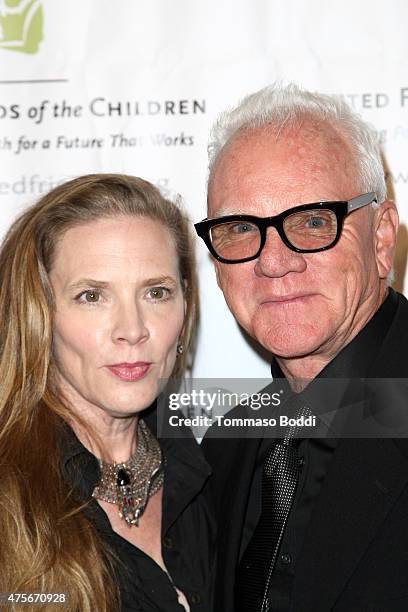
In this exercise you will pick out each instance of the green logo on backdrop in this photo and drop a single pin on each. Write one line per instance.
(21, 25)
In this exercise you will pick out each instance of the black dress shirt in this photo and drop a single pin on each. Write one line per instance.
(187, 527)
(315, 453)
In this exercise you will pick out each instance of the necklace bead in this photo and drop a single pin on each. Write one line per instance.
(123, 479)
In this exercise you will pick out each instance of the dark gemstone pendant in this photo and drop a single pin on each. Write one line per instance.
(123, 478)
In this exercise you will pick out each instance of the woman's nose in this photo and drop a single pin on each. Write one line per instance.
(130, 325)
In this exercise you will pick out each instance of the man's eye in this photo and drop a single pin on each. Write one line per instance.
(242, 228)
(315, 222)
(159, 293)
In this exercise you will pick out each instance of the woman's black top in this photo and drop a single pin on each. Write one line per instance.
(188, 532)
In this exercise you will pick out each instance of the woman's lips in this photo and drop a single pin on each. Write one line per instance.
(130, 371)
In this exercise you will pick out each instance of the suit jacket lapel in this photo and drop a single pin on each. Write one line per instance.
(364, 480)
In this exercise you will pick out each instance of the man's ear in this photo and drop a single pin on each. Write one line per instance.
(218, 273)
(386, 227)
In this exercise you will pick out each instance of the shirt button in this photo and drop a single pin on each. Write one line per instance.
(196, 598)
(167, 542)
(301, 461)
(286, 558)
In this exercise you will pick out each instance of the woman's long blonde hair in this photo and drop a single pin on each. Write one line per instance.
(47, 543)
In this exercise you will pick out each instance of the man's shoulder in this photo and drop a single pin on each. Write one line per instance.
(392, 359)
(401, 303)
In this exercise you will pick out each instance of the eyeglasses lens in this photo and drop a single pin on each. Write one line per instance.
(311, 229)
(236, 239)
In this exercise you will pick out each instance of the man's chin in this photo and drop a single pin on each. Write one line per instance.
(289, 346)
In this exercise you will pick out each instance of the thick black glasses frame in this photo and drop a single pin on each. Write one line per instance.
(341, 210)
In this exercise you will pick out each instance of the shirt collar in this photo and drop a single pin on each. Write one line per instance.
(186, 470)
(79, 467)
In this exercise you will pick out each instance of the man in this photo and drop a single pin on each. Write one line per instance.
(315, 524)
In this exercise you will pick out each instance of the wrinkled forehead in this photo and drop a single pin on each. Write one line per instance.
(294, 164)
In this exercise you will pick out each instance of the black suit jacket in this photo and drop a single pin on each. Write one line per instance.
(354, 556)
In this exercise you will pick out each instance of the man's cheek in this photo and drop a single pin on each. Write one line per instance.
(228, 285)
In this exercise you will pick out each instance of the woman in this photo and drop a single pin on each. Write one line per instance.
(98, 300)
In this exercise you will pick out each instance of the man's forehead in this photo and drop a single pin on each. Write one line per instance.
(304, 165)
(307, 144)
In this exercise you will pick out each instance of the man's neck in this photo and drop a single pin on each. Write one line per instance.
(299, 372)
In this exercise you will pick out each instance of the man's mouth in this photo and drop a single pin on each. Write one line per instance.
(287, 299)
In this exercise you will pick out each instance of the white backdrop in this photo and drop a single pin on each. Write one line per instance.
(132, 86)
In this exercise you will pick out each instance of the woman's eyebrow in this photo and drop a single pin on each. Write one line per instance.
(98, 284)
(157, 280)
(88, 282)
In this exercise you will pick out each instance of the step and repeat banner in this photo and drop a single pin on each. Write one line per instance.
(134, 86)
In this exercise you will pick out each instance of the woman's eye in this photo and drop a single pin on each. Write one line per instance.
(159, 293)
(90, 296)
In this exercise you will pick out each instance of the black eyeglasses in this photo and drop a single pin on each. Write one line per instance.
(307, 228)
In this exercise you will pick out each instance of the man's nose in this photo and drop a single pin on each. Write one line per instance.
(130, 324)
(276, 259)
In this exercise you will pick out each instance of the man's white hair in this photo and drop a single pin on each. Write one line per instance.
(286, 106)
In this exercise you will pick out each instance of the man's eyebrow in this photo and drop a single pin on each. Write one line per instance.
(226, 211)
